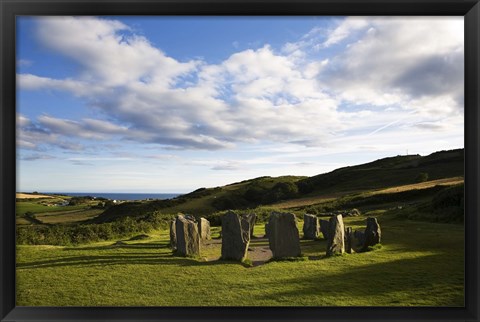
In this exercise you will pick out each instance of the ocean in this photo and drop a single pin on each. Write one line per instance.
(119, 195)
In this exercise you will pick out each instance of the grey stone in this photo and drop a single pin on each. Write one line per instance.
(283, 236)
(311, 226)
(235, 236)
(373, 233)
(204, 229)
(336, 233)
(251, 218)
(266, 230)
(360, 237)
(173, 236)
(348, 240)
(324, 227)
(188, 238)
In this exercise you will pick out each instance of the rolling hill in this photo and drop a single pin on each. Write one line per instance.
(386, 173)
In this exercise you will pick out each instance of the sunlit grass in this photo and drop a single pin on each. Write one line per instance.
(419, 264)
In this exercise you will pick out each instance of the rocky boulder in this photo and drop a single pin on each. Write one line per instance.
(283, 236)
(336, 233)
(311, 226)
(235, 236)
(187, 236)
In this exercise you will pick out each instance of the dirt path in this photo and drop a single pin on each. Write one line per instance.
(258, 252)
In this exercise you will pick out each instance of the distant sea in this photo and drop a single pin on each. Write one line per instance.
(120, 196)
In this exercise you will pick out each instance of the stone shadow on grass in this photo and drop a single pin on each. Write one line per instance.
(377, 279)
(121, 244)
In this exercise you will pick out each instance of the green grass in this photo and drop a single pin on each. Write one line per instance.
(36, 207)
(68, 216)
(419, 264)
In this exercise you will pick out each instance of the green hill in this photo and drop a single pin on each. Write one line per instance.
(387, 172)
(379, 174)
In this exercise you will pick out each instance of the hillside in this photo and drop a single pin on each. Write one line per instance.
(380, 174)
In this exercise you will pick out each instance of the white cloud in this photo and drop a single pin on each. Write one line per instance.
(401, 61)
(395, 66)
(109, 53)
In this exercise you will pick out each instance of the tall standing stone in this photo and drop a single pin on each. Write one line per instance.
(204, 229)
(283, 236)
(311, 226)
(336, 234)
(348, 239)
(324, 228)
(251, 218)
(360, 237)
(373, 233)
(235, 236)
(173, 236)
(188, 238)
(267, 229)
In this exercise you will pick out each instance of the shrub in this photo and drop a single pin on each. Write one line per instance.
(422, 177)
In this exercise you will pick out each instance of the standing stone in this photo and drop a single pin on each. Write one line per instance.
(336, 233)
(283, 236)
(188, 238)
(266, 230)
(360, 236)
(372, 233)
(311, 226)
(204, 229)
(251, 218)
(173, 236)
(348, 239)
(324, 227)
(235, 236)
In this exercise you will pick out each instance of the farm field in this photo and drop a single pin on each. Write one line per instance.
(419, 264)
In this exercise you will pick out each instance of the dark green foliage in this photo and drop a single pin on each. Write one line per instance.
(422, 177)
(79, 234)
(386, 172)
(231, 201)
(446, 206)
(74, 201)
(372, 201)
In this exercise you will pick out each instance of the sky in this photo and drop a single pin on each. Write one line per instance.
(172, 104)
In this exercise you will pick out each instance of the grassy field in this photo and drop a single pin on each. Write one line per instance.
(419, 264)
(68, 216)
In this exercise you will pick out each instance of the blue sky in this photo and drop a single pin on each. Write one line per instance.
(171, 104)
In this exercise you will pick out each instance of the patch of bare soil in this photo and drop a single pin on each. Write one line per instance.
(259, 255)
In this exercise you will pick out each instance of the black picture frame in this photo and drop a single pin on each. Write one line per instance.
(9, 9)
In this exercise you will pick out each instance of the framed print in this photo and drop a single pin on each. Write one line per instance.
(238, 160)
